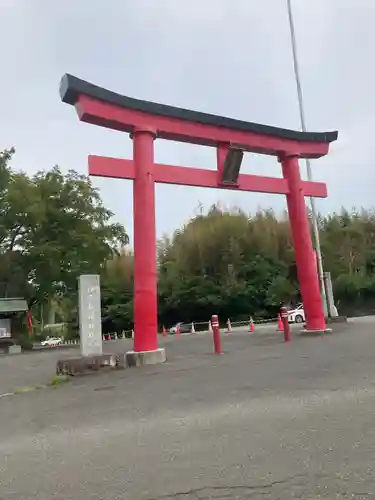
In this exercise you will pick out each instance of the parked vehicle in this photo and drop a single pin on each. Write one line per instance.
(297, 315)
(50, 341)
(184, 328)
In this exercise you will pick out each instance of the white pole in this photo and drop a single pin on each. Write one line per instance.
(314, 221)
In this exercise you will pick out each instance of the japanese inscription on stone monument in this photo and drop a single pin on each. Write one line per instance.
(90, 321)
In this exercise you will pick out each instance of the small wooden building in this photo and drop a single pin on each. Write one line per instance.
(12, 318)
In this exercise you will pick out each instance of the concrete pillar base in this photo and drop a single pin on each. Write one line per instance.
(315, 333)
(146, 358)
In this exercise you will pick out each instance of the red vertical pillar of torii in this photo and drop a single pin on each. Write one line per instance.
(305, 256)
(145, 278)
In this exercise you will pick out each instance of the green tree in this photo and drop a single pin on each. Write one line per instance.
(234, 264)
(72, 234)
(117, 293)
(225, 262)
(53, 227)
(16, 220)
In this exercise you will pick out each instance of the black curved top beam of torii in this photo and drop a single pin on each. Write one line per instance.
(81, 93)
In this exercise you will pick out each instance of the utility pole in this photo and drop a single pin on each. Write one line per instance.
(314, 221)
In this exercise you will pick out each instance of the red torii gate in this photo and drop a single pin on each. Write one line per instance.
(146, 121)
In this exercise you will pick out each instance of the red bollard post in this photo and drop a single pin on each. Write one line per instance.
(284, 318)
(216, 334)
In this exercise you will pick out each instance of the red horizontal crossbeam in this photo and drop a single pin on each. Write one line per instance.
(105, 114)
(117, 168)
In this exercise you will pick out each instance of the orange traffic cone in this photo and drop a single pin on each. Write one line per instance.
(251, 325)
(280, 325)
(229, 326)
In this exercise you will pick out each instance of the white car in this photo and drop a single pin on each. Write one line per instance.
(297, 315)
(183, 328)
(50, 341)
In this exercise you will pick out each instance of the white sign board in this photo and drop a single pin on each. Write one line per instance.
(90, 320)
(5, 328)
(4, 333)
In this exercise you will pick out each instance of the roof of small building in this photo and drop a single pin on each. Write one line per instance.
(10, 305)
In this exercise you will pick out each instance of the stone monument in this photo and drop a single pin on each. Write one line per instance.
(90, 321)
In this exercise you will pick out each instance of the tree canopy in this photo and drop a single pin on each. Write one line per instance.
(236, 265)
(53, 227)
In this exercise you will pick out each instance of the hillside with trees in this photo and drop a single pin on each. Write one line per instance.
(54, 227)
(236, 265)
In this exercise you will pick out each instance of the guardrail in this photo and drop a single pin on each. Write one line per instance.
(197, 327)
(205, 326)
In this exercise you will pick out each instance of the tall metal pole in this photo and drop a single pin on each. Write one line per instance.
(314, 221)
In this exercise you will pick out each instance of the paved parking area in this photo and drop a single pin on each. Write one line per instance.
(37, 368)
(266, 420)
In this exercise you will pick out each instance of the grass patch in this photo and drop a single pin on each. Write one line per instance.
(55, 382)
(27, 388)
(59, 379)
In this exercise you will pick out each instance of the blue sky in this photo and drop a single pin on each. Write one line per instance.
(228, 57)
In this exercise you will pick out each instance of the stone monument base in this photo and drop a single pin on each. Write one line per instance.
(86, 364)
(14, 349)
(8, 346)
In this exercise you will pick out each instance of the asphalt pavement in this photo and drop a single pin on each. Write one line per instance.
(266, 420)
